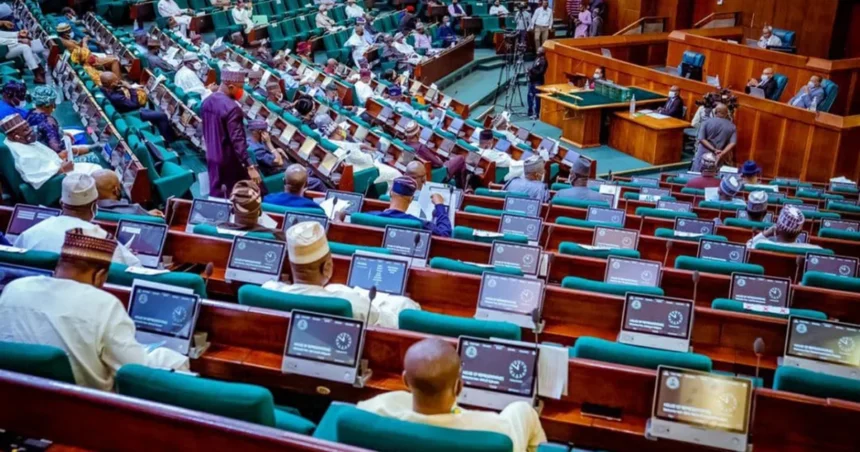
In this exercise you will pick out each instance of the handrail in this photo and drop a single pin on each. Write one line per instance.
(640, 24)
(735, 15)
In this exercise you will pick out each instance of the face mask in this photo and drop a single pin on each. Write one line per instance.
(672, 94)
(811, 85)
(597, 76)
(197, 66)
(238, 92)
(764, 77)
(71, 35)
(22, 104)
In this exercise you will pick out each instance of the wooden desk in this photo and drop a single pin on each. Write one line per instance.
(656, 141)
(432, 69)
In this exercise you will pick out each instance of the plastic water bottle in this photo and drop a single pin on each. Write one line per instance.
(814, 105)
(632, 104)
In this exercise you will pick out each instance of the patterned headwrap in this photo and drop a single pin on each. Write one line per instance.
(81, 245)
(790, 220)
(247, 201)
(44, 96)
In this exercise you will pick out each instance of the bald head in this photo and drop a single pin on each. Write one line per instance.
(416, 171)
(721, 111)
(431, 369)
(108, 185)
(295, 179)
(108, 79)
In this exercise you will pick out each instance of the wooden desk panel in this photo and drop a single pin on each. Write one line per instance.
(430, 71)
(656, 141)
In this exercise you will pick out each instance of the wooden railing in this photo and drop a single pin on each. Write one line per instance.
(643, 26)
(720, 20)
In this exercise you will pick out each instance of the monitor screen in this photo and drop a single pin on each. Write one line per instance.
(527, 226)
(426, 134)
(834, 265)
(498, 366)
(842, 225)
(510, 293)
(805, 207)
(257, 255)
(703, 399)
(645, 181)
(803, 237)
(386, 274)
(209, 212)
(763, 290)
(446, 146)
(325, 338)
(548, 145)
(528, 206)
(821, 340)
(162, 311)
(604, 215)
(355, 200)
(385, 114)
(456, 125)
(615, 238)
(661, 316)
(722, 251)
(516, 255)
(676, 206)
(9, 273)
(744, 215)
(503, 145)
(594, 183)
(634, 272)
(523, 134)
(843, 185)
(142, 238)
(25, 216)
(693, 226)
(293, 218)
(651, 191)
(407, 242)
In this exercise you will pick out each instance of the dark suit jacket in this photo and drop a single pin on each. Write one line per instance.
(769, 88)
(673, 107)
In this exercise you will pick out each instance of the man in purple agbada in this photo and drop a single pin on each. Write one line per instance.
(224, 131)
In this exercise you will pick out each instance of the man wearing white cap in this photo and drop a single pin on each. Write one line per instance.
(757, 205)
(35, 162)
(784, 233)
(311, 268)
(78, 202)
(531, 181)
(73, 313)
(186, 77)
(169, 8)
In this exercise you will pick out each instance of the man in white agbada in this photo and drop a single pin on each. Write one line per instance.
(768, 39)
(78, 203)
(186, 77)
(359, 155)
(358, 44)
(20, 45)
(487, 150)
(242, 15)
(326, 23)
(362, 86)
(352, 10)
(311, 268)
(400, 44)
(169, 8)
(431, 372)
(71, 312)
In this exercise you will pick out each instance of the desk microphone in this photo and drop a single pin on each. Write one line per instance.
(371, 294)
(798, 264)
(668, 248)
(695, 284)
(207, 274)
(758, 349)
(169, 211)
(225, 195)
(642, 223)
(417, 242)
(536, 331)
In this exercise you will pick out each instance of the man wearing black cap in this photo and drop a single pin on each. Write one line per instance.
(402, 191)
(487, 151)
(579, 180)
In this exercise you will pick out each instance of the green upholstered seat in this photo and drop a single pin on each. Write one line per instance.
(569, 202)
(802, 193)
(577, 223)
(789, 183)
(843, 207)
(464, 233)
(814, 384)
(828, 281)
(634, 196)
(118, 275)
(667, 233)
(693, 191)
(241, 401)
(347, 424)
(725, 304)
(631, 355)
(663, 213)
(366, 219)
(258, 297)
(274, 208)
(482, 191)
(747, 224)
(116, 217)
(444, 263)
(553, 447)
(721, 205)
(491, 212)
(819, 215)
(38, 360)
(347, 249)
(841, 234)
(678, 180)
(575, 249)
(556, 186)
(588, 285)
(713, 266)
(364, 179)
(453, 326)
(45, 260)
(212, 231)
(779, 248)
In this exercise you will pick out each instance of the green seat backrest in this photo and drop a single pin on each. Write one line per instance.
(819, 215)
(444, 263)
(814, 384)
(805, 193)
(453, 326)
(747, 224)
(482, 191)
(831, 233)
(575, 249)
(212, 231)
(366, 219)
(258, 297)
(721, 205)
(829, 281)
(346, 249)
(779, 248)
(667, 233)
(116, 217)
(464, 233)
(570, 202)
(362, 179)
(725, 304)
(45, 260)
(274, 208)
(842, 206)
(632, 195)
(693, 191)
(492, 212)
(118, 275)
(38, 360)
(556, 186)
(588, 285)
(631, 355)
(577, 223)
(663, 213)
(713, 266)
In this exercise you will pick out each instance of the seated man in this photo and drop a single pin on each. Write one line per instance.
(750, 172)
(35, 162)
(431, 372)
(402, 191)
(73, 313)
(325, 22)
(126, 99)
(363, 88)
(455, 164)
(446, 32)
(810, 96)
(170, 9)
(768, 39)
(358, 43)
(111, 199)
(202, 47)
(242, 15)
(14, 99)
(247, 202)
(457, 12)
(330, 66)
(498, 9)
(423, 41)
(486, 145)
(270, 159)
(187, 79)
(709, 174)
(153, 59)
(766, 83)
(579, 175)
(78, 203)
(788, 227)
(353, 11)
(531, 181)
(407, 51)
(295, 184)
(311, 269)
(729, 188)
(674, 105)
(408, 20)
(20, 45)
(757, 205)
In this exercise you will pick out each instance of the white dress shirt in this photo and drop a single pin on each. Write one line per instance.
(89, 324)
(364, 92)
(188, 80)
(542, 17)
(49, 235)
(498, 10)
(35, 162)
(169, 8)
(773, 41)
(760, 238)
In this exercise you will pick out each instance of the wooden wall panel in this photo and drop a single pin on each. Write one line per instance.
(847, 163)
(821, 160)
(852, 45)
(767, 129)
(794, 142)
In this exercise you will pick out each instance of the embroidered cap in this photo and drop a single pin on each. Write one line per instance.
(84, 245)
(757, 201)
(730, 186)
(11, 122)
(306, 243)
(790, 220)
(79, 189)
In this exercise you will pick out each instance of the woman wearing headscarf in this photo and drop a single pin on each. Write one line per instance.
(47, 129)
(85, 58)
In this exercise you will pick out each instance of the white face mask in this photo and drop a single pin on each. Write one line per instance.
(597, 76)
(811, 85)
(672, 94)
(764, 77)
(197, 66)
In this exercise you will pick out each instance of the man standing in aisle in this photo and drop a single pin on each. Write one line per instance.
(718, 135)
(537, 75)
(224, 132)
(541, 23)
